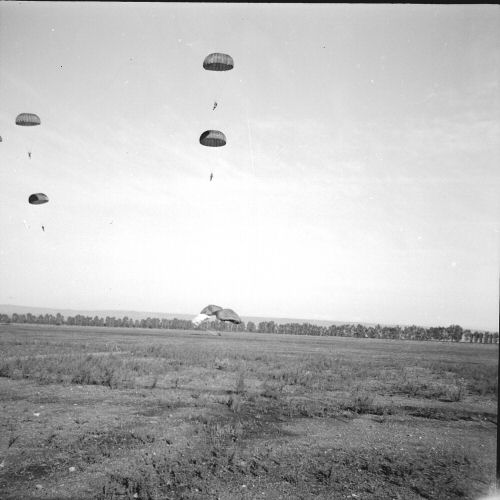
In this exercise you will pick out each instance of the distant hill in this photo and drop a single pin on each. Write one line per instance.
(11, 308)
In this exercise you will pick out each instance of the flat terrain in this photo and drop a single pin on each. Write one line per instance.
(111, 413)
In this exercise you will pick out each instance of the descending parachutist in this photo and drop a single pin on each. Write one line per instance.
(43, 227)
(28, 120)
(211, 176)
(215, 105)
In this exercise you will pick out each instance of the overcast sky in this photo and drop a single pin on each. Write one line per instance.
(359, 182)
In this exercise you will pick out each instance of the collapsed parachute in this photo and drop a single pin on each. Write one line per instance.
(28, 120)
(38, 199)
(218, 62)
(210, 309)
(228, 315)
(213, 138)
(221, 314)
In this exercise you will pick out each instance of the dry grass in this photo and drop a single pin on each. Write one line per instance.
(170, 414)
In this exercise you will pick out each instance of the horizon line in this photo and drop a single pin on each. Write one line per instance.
(270, 317)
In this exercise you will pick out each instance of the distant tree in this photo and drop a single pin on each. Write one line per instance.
(454, 333)
(370, 332)
(359, 331)
(420, 333)
(437, 333)
(391, 332)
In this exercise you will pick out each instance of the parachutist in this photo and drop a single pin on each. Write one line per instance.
(43, 228)
(28, 120)
(215, 105)
(211, 176)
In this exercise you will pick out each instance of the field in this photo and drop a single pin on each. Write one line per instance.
(113, 413)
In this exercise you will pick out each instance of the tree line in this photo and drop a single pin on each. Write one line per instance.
(452, 333)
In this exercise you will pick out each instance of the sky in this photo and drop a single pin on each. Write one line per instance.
(359, 181)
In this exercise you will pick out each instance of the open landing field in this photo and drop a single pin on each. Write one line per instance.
(114, 413)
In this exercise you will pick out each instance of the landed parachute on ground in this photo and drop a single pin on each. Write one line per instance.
(38, 199)
(218, 62)
(28, 120)
(228, 315)
(221, 314)
(213, 138)
(210, 309)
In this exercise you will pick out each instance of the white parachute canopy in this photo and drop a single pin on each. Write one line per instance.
(198, 320)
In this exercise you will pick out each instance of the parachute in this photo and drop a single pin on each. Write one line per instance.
(221, 314)
(199, 319)
(210, 310)
(228, 315)
(218, 62)
(28, 120)
(213, 138)
(38, 199)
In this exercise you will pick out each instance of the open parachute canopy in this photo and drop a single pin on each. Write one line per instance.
(218, 62)
(213, 138)
(38, 199)
(27, 119)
